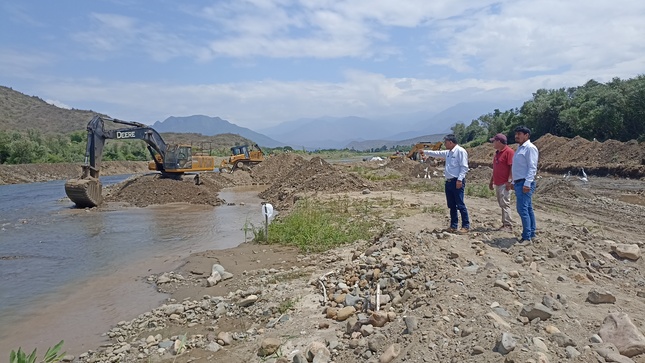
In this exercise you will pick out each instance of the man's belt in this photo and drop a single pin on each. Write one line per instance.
(519, 181)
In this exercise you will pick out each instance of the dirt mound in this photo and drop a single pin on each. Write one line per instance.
(480, 174)
(223, 180)
(561, 154)
(145, 190)
(276, 167)
(559, 188)
(589, 153)
(415, 169)
(315, 175)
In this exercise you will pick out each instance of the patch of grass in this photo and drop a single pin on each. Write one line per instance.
(373, 174)
(315, 226)
(432, 185)
(287, 276)
(479, 190)
(435, 209)
(286, 305)
(259, 233)
(51, 355)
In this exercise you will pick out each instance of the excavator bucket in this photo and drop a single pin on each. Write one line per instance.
(85, 193)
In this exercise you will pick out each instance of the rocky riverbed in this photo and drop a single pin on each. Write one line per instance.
(415, 293)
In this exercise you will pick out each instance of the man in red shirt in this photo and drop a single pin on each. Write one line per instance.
(502, 178)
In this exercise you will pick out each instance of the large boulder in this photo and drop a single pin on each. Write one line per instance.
(619, 330)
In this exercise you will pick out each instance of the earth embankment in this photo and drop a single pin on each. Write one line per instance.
(561, 155)
(32, 173)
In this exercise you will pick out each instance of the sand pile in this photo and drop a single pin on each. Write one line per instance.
(276, 167)
(315, 175)
(145, 190)
(559, 188)
(561, 154)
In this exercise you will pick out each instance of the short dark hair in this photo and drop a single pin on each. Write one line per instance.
(523, 129)
(450, 137)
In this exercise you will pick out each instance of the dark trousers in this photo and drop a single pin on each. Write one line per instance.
(455, 200)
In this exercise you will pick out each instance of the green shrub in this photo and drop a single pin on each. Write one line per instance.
(51, 355)
(315, 226)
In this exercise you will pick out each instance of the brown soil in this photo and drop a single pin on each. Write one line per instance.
(462, 291)
(31, 173)
(561, 155)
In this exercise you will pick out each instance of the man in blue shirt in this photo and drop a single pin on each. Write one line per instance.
(524, 169)
(456, 169)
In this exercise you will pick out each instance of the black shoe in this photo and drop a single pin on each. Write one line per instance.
(524, 242)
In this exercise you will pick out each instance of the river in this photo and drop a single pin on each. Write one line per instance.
(71, 274)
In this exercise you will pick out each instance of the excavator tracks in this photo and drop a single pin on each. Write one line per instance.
(85, 193)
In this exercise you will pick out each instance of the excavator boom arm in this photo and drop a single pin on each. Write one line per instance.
(86, 191)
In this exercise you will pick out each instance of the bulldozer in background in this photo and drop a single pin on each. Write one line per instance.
(242, 157)
(416, 152)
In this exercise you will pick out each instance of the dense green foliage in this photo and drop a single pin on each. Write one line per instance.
(33, 147)
(614, 110)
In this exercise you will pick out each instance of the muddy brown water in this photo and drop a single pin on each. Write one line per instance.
(72, 274)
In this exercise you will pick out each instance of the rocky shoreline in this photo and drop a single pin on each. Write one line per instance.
(415, 293)
(572, 296)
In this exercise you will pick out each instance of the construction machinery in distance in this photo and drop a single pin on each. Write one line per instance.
(172, 160)
(242, 157)
(417, 150)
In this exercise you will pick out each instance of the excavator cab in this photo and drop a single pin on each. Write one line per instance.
(178, 157)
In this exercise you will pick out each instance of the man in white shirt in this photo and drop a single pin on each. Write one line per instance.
(524, 169)
(456, 169)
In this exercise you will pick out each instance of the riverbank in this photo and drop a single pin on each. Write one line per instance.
(443, 297)
(575, 294)
(33, 173)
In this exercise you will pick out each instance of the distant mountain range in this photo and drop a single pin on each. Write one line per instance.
(354, 132)
(21, 112)
(209, 126)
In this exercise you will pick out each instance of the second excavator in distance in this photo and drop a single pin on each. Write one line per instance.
(172, 160)
(417, 150)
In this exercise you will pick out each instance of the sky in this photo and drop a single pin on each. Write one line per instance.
(258, 63)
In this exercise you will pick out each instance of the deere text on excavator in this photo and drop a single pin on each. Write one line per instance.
(171, 160)
(241, 157)
(417, 150)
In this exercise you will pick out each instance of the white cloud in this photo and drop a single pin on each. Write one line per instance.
(58, 104)
(375, 56)
(22, 64)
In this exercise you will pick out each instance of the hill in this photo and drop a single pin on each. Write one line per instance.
(221, 142)
(21, 112)
(212, 126)
(372, 144)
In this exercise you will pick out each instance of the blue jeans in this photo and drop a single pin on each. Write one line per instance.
(525, 210)
(455, 200)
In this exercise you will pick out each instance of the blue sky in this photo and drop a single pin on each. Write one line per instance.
(261, 62)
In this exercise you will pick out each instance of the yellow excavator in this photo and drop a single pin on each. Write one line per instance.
(417, 150)
(242, 157)
(171, 160)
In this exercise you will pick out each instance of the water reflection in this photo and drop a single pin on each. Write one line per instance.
(64, 262)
